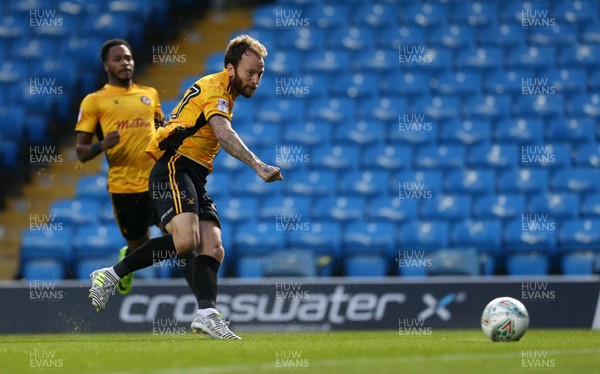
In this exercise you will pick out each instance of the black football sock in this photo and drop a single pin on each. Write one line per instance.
(153, 251)
(205, 281)
(187, 268)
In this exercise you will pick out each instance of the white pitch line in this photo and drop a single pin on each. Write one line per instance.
(358, 361)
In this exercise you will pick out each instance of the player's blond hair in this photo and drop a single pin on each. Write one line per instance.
(240, 45)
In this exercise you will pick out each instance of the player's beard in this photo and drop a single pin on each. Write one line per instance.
(122, 77)
(238, 86)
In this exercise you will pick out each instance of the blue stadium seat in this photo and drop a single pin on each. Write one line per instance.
(455, 36)
(283, 209)
(370, 237)
(303, 39)
(285, 64)
(558, 35)
(505, 82)
(364, 183)
(484, 235)
(438, 107)
(8, 154)
(501, 207)
(75, 211)
(423, 236)
(529, 237)
(590, 33)
(392, 209)
(383, 109)
(587, 56)
(258, 238)
(351, 38)
(239, 209)
(579, 235)
(553, 156)
(540, 106)
(426, 15)
(328, 17)
(466, 132)
(106, 213)
(411, 184)
(93, 241)
(474, 13)
(218, 183)
(42, 270)
(279, 112)
(457, 83)
(497, 156)
(440, 157)
(527, 264)
(446, 207)
(327, 62)
(479, 59)
(357, 86)
(394, 37)
(322, 238)
(306, 133)
(421, 58)
(331, 110)
(518, 130)
(558, 205)
(248, 182)
(487, 107)
(339, 208)
(566, 81)
(187, 82)
(523, 181)
(51, 243)
(590, 206)
(93, 187)
(290, 263)
(584, 106)
(469, 181)
(504, 35)
(581, 180)
(461, 262)
(361, 133)
(335, 157)
(317, 84)
(260, 134)
(571, 130)
(85, 267)
(311, 183)
(387, 158)
(409, 83)
(531, 57)
(366, 266)
(249, 266)
(378, 60)
(577, 12)
(577, 263)
(377, 16)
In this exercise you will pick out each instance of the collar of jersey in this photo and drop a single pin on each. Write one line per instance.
(119, 89)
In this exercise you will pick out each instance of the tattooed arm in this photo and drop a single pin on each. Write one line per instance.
(233, 144)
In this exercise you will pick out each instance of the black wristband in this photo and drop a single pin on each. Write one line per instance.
(96, 148)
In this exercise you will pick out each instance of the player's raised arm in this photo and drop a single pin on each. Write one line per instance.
(233, 144)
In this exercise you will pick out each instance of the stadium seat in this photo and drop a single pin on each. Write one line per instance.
(438, 108)
(558, 205)
(520, 130)
(248, 182)
(575, 56)
(565, 81)
(322, 238)
(395, 37)
(523, 181)
(466, 132)
(331, 110)
(336, 157)
(305, 134)
(275, 114)
(474, 13)
(93, 187)
(239, 209)
(327, 62)
(361, 133)
(364, 237)
(529, 237)
(485, 236)
(501, 206)
(218, 184)
(572, 130)
(506, 35)
(41, 270)
(258, 238)
(505, 82)
(540, 106)
(351, 38)
(226, 163)
(282, 207)
(448, 208)
(285, 64)
(383, 208)
(386, 109)
(54, 242)
(590, 206)
(94, 241)
(577, 263)
(375, 15)
(584, 106)
(423, 236)
(440, 157)
(85, 267)
(561, 34)
(454, 36)
(588, 155)
(461, 262)
(249, 267)
(527, 264)
(469, 181)
(579, 234)
(377, 61)
(580, 180)
(497, 156)
(419, 185)
(328, 17)
(311, 183)
(487, 107)
(261, 134)
(303, 39)
(479, 59)
(290, 263)
(75, 211)
(366, 266)
(531, 57)
(387, 158)
(339, 208)
(363, 183)
(425, 15)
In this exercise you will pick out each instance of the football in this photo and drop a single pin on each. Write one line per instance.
(505, 319)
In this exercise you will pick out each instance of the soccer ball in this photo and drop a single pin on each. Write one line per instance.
(505, 319)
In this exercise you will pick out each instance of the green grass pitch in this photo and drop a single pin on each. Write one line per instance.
(434, 351)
